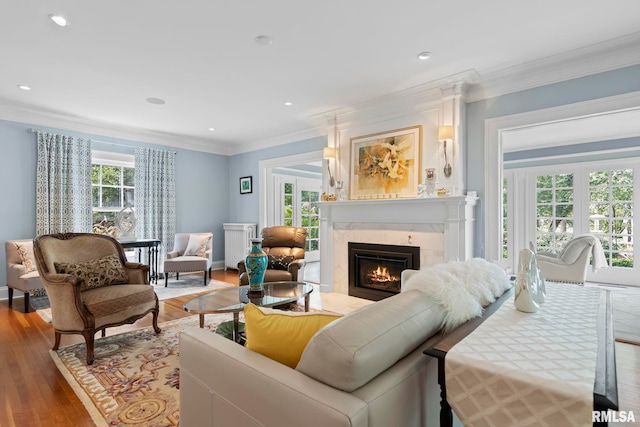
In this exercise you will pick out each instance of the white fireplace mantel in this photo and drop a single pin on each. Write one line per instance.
(451, 215)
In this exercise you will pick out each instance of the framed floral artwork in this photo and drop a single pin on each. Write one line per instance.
(386, 164)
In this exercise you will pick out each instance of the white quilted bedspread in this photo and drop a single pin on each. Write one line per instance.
(529, 369)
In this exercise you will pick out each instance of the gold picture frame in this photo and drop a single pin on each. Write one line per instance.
(386, 165)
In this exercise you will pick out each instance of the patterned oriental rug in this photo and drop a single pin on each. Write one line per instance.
(135, 379)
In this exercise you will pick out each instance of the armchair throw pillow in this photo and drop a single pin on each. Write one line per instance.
(279, 262)
(197, 245)
(281, 335)
(98, 272)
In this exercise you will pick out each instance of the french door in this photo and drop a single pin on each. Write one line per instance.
(550, 205)
(295, 199)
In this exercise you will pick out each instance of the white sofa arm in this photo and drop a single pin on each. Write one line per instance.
(222, 379)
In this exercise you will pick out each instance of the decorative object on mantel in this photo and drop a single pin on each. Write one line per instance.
(256, 264)
(341, 192)
(442, 192)
(446, 133)
(530, 288)
(386, 164)
(328, 197)
(126, 224)
(427, 188)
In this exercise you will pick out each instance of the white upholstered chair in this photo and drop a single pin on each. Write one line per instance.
(191, 252)
(22, 273)
(570, 265)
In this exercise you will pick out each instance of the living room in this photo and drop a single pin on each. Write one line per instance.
(594, 78)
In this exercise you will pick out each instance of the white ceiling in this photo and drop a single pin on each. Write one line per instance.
(200, 56)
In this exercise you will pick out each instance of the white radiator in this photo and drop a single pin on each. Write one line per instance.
(237, 243)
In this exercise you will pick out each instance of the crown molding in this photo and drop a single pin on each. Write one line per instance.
(403, 102)
(597, 58)
(34, 116)
(316, 131)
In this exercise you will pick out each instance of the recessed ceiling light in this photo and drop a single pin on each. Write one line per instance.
(212, 129)
(59, 20)
(423, 56)
(288, 103)
(263, 40)
(156, 101)
(24, 87)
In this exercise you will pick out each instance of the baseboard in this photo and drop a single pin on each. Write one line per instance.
(4, 292)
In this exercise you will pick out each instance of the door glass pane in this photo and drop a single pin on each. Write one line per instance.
(309, 218)
(554, 209)
(611, 214)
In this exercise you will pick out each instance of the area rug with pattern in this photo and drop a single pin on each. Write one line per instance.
(134, 380)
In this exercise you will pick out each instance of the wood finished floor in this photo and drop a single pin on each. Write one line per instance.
(34, 393)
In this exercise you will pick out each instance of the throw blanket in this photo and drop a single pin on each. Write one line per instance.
(463, 288)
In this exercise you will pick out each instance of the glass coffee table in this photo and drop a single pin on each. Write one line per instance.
(233, 300)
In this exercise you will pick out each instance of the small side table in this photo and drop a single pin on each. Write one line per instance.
(152, 251)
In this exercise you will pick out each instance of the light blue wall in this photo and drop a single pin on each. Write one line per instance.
(245, 207)
(591, 87)
(201, 180)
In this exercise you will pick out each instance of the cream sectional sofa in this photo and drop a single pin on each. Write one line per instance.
(364, 369)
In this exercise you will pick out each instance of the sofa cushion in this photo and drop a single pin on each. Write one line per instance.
(26, 255)
(353, 350)
(98, 272)
(197, 245)
(282, 335)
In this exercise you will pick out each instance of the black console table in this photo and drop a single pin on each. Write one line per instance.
(152, 250)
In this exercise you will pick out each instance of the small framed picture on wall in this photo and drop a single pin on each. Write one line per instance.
(246, 186)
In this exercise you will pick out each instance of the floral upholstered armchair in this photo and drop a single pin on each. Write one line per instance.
(91, 286)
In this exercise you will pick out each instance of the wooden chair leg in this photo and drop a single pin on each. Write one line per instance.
(10, 297)
(166, 279)
(26, 302)
(90, 341)
(205, 278)
(104, 332)
(155, 321)
(56, 344)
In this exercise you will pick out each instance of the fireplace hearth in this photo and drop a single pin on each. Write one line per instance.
(375, 269)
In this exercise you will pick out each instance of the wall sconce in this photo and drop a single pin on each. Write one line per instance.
(445, 133)
(329, 153)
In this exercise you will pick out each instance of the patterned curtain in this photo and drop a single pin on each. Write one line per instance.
(155, 198)
(63, 184)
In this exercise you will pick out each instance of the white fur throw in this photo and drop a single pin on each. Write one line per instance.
(463, 288)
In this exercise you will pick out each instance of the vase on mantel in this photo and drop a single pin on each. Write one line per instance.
(256, 264)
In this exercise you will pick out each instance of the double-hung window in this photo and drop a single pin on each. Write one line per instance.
(112, 186)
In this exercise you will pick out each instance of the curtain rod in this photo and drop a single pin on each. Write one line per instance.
(31, 130)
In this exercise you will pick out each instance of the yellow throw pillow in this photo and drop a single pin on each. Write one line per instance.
(282, 335)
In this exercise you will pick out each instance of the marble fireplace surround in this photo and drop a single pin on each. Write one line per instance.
(441, 226)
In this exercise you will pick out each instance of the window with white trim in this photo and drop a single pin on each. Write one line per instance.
(112, 187)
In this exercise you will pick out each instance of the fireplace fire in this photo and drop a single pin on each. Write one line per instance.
(374, 269)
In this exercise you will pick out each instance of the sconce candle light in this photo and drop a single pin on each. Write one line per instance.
(445, 133)
(329, 153)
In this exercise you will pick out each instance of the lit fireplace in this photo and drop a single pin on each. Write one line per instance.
(374, 269)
